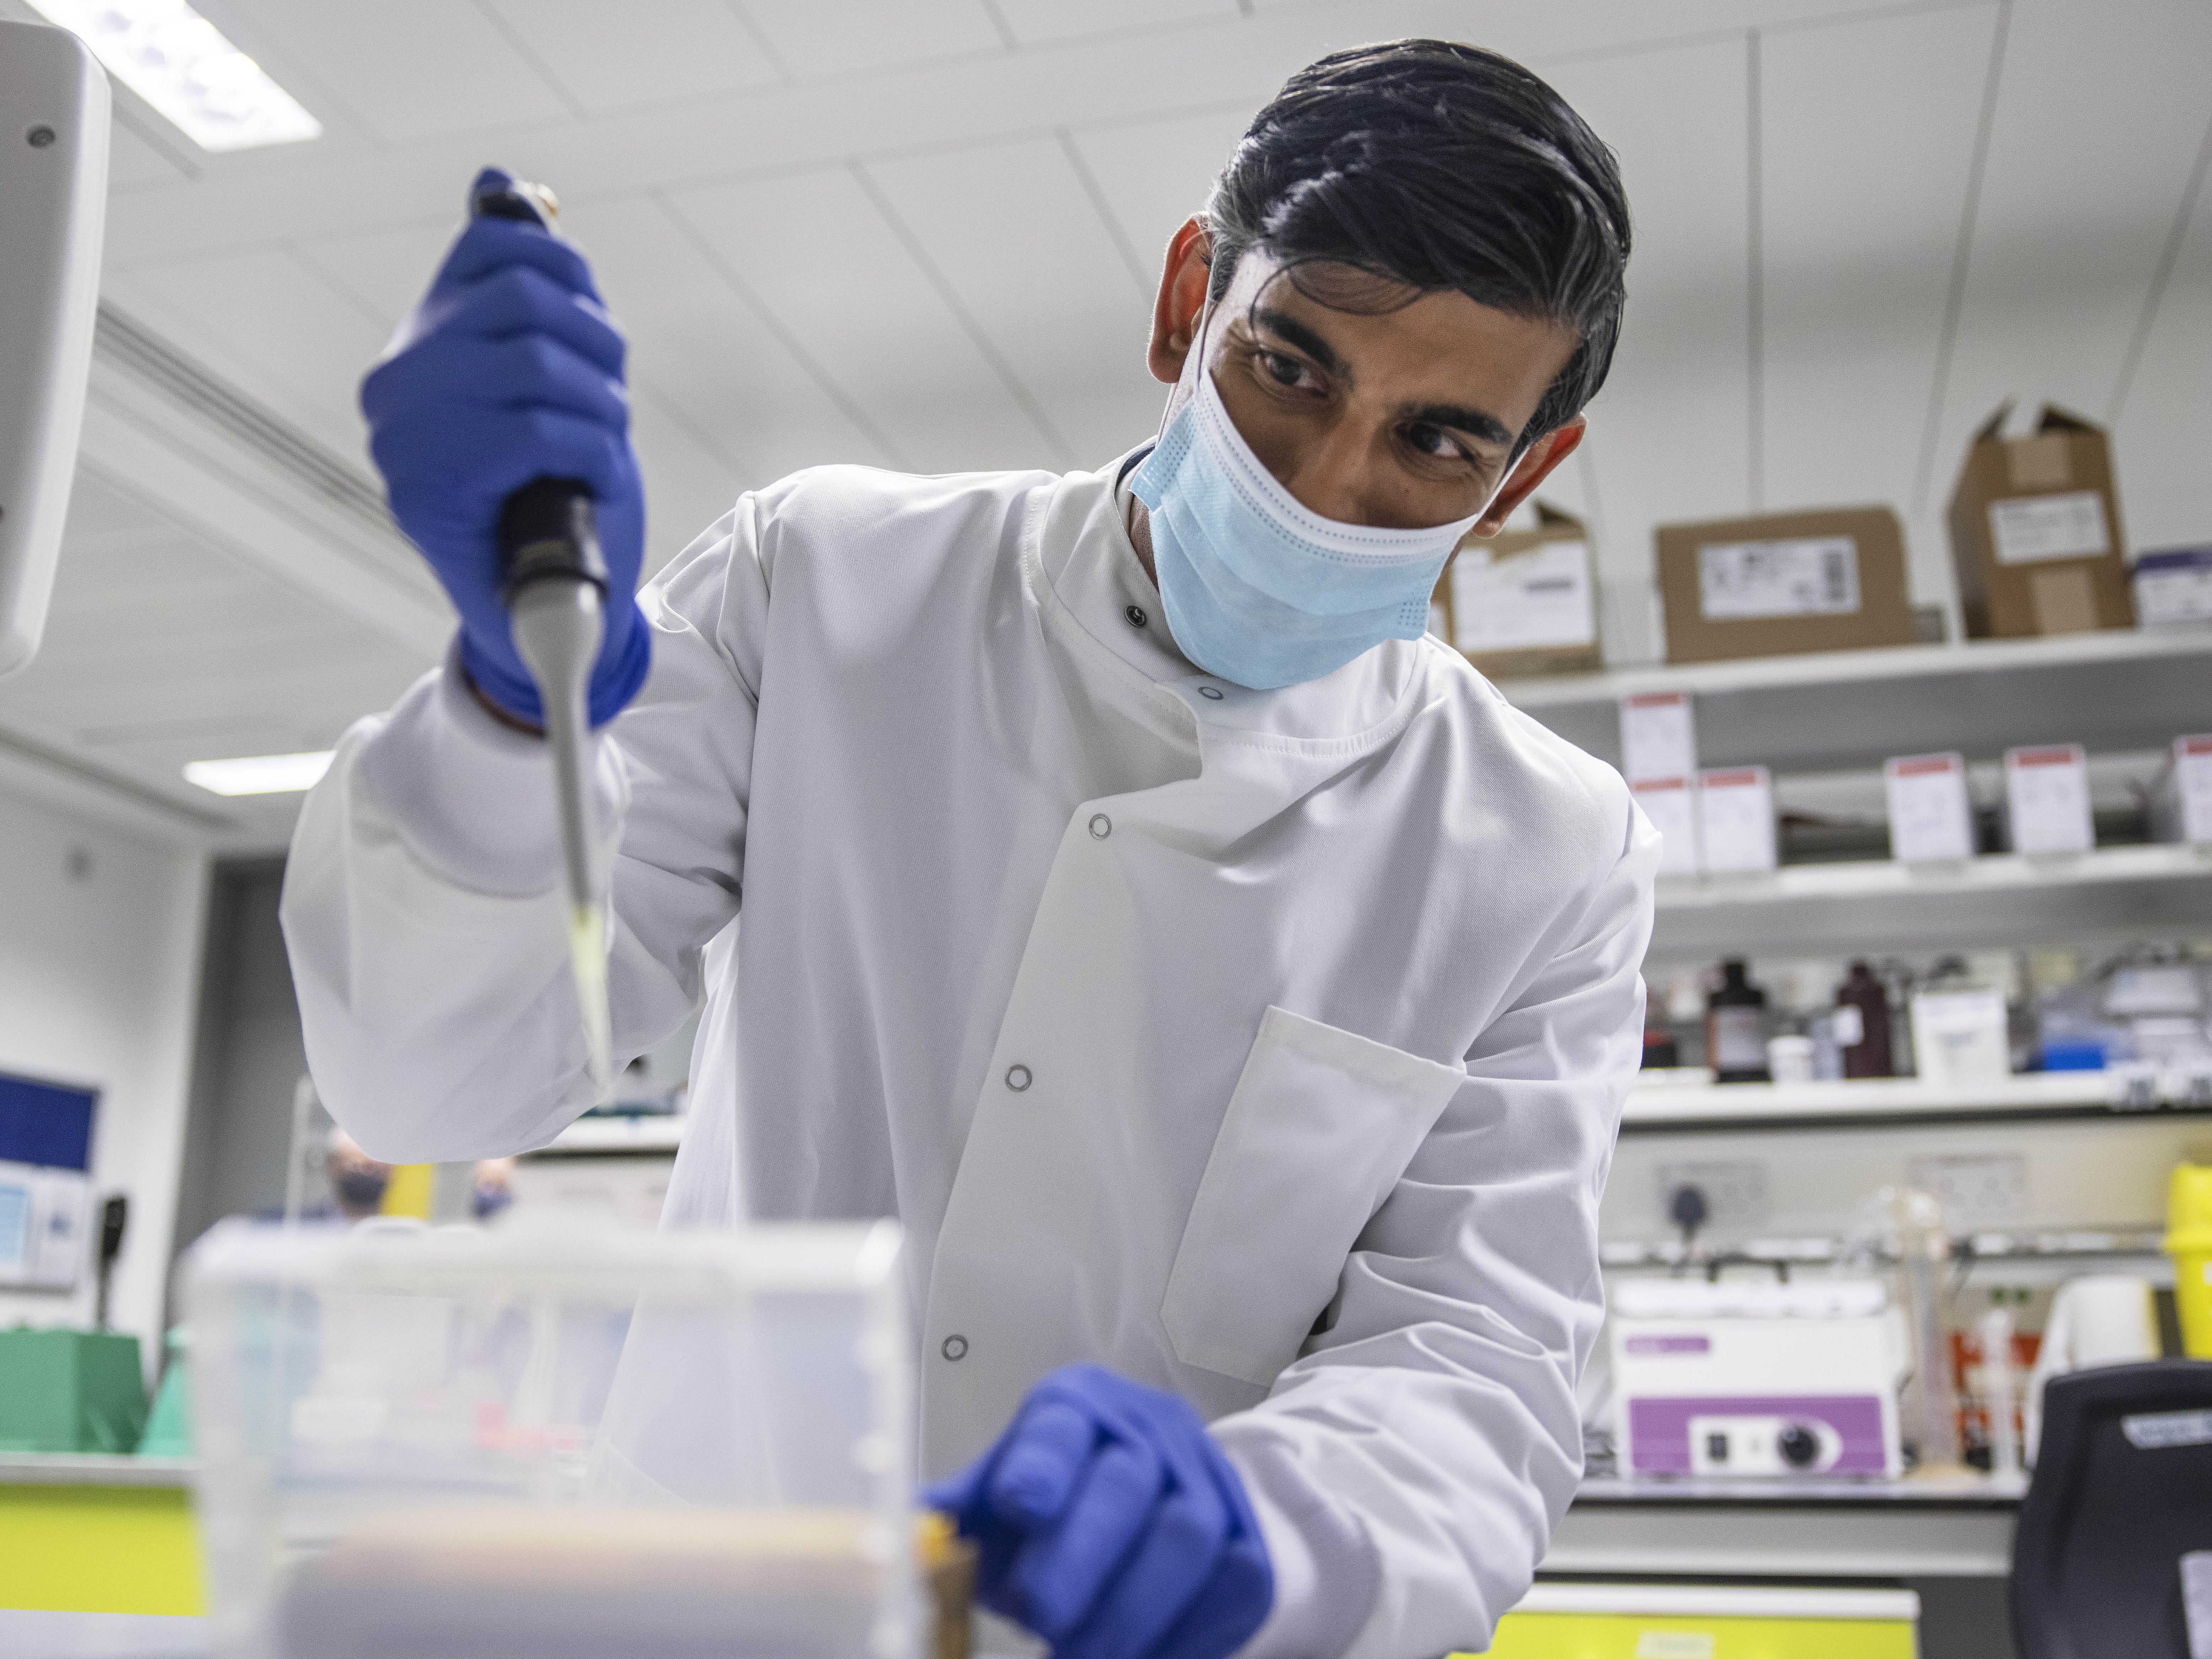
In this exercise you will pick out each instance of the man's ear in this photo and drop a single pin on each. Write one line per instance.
(1535, 466)
(1181, 299)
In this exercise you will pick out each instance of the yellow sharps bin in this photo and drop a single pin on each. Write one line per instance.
(2189, 1242)
(1565, 1620)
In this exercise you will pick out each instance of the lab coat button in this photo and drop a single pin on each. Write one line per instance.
(1017, 1077)
(1136, 615)
(955, 1347)
(1212, 692)
(1101, 826)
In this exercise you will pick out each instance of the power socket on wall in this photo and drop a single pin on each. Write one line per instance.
(1979, 1186)
(1735, 1189)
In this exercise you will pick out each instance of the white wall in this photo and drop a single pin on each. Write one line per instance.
(99, 948)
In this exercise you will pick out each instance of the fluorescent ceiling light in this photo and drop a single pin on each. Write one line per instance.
(181, 64)
(260, 774)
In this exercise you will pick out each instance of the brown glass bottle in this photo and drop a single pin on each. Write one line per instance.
(1735, 1029)
(1862, 992)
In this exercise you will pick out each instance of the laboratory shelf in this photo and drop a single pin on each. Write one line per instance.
(94, 1469)
(1872, 1100)
(1880, 904)
(1850, 710)
(1963, 1489)
(599, 1136)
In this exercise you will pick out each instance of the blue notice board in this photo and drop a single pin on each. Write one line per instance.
(47, 1124)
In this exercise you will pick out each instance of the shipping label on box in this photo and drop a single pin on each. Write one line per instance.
(1812, 576)
(1658, 736)
(1735, 820)
(2036, 537)
(1531, 601)
(2181, 799)
(2047, 800)
(2173, 587)
(1828, 580)
(1670, 804)
(1930, 814)
(1525, 601)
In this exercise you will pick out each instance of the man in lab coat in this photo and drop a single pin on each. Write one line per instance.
(1230, 993)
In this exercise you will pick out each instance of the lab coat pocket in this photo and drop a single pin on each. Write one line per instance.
(1322, 1125)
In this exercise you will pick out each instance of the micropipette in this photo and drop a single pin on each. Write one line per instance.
(554, 578)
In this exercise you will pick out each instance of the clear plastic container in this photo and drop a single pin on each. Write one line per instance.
(554, 1441)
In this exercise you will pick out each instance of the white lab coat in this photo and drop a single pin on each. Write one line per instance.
(1265, 1047)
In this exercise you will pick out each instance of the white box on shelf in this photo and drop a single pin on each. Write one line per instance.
(1735, 820)
(2181, 798)
(1931, 814)
(2047, 800)
(1671, 805)
(1658, 736)
(2173, 587)
(1959, 1039)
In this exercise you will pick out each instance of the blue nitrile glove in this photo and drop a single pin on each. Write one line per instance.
(510, 369)
(1109, 1523)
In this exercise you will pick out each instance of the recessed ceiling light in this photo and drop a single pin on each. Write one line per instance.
(181, 64)
(260, 774)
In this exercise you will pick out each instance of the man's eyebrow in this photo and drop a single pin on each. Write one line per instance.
(1475, 423)
(1305, 339)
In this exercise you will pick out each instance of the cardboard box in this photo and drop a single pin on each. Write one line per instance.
(2035, 532)
(2046, 806)
(2173, 588)
(1831, 580)
(1735, 821)
(2181, 798)
(1525, 602)
(1931, 815)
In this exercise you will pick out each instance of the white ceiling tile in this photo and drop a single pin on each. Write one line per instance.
(2100, 113)
(642, 51)
(1050, 285)
(1060, 20)
(132, 162)
(1155, 174)
(384, 271)
(815, 38)
(268, 320)
(820, 256)
(698, 346)
(99, 514)
(1669, 434)
(2159, 444)
(1867, 147)
(412, 69)
(687, 485)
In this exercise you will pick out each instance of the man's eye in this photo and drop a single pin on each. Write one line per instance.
(1287, 371)
(1433, 440)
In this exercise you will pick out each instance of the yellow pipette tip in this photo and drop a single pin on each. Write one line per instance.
(587, 959)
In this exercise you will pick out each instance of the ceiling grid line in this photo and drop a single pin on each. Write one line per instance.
(1755, 286)
(1962, 257)
(1063, 451)
(2191, 195)
(538, 66)
(992, 10)
(739, 10)
(785, 336)
(1123, 243)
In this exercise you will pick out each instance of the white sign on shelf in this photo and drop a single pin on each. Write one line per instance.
(1959, 1038)
(1658, 736)
(2181, 800)
(1669, 802)
(2028, 529)
(1745, 581)
(1931, 814)
(2047, 800)
(1735, 820)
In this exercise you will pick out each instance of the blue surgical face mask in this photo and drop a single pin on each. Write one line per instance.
(1258, 590)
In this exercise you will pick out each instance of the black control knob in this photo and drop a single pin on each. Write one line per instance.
(1799, 1446)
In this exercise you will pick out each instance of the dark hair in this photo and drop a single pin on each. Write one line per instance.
(1429, 166)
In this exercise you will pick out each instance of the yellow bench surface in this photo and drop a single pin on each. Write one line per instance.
(99, 1549)
(1633, 1636)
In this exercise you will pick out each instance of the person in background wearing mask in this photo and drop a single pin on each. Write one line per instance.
(358, 1180)
(1231, 993)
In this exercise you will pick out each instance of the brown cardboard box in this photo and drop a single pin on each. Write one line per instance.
(1830, 579)
(2035, 532)
(1525, 601)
